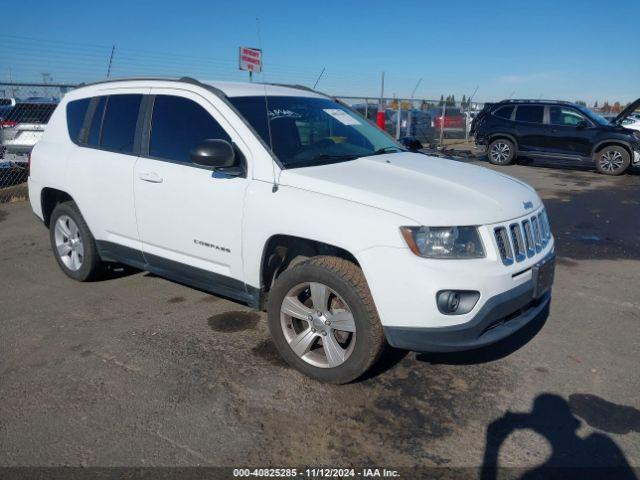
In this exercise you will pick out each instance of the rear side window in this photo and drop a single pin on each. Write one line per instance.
(96, 123)
(504, 112)
(119, 123)
(530, 113)
(177, 125)
(76, 112)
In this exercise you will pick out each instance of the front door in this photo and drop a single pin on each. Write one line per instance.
(189, 217)
(571, 132)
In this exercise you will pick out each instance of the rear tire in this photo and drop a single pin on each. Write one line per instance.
(501, 152)
(323, 320)
(612, 160)
(74, 247)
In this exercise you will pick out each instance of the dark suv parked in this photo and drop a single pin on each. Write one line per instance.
(554, 129)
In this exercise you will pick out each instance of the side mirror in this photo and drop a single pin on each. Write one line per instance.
(411, 143)
(213, 154)
(582, 124)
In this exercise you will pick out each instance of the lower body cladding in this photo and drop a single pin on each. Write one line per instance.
(507, 302)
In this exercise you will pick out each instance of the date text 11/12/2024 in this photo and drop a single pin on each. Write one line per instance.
(316, 472)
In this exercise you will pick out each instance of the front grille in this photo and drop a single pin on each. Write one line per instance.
(523, 239)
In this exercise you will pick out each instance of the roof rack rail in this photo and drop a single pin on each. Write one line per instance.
(535, 100)
(128, 79)
(296, 86)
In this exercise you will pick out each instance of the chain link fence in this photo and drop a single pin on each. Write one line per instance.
(25, 109)
(436, 124)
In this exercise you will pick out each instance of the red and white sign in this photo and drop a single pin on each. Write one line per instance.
(251, 59)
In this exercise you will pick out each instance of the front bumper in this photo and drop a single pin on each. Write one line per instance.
(500, 316)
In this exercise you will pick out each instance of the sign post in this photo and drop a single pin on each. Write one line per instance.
(250, 59)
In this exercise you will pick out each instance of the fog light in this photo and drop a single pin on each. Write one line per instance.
(456, 302)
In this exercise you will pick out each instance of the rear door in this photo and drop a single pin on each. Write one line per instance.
(532, 133)
(100, 167)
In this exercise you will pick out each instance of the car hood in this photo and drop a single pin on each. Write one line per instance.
(627, 111)
(429, 190)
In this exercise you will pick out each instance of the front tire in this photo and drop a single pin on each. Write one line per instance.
(501, 152)
(323, 320)
(74, 247)
(612, 160)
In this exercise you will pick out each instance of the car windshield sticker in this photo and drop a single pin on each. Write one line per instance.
(283, 113)
(342, 116)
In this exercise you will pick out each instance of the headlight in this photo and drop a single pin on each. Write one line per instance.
(444, 242)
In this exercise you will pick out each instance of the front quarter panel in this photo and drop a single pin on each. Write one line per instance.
(301, 213)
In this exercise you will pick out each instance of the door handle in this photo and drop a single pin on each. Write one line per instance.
(151, 177)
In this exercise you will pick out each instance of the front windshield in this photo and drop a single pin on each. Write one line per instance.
(596, 117)
(312, 131)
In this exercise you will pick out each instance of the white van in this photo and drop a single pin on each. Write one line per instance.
(287, 200)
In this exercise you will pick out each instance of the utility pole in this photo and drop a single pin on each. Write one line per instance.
(411, 107)
(399, 119)
(113, 50)
(380, 115)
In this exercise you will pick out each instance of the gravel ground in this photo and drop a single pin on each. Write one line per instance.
(138, 370)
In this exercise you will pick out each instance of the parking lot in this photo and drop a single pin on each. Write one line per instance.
(138, 370)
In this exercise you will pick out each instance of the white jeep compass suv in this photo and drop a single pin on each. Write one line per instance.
(285, 199)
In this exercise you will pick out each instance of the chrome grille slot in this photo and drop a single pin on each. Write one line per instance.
(544, 230)
(517, 242)
(547, 225)
(504, 246)
(528, 238)
(536, 233)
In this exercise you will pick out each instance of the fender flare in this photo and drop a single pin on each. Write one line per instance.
(508, 136)
(612, 141)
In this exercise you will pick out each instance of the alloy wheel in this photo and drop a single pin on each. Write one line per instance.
(69, 245)
(500, 152)
(611, 160)
(318, 325)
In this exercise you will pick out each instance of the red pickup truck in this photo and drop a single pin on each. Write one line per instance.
(454, 122)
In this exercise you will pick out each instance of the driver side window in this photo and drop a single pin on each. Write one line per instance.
(563, 116)
(177, 125)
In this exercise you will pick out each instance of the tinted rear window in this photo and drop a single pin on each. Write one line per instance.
(31, 112)
(504, 112)
(530, 113)
(119, 124)
(76, 112)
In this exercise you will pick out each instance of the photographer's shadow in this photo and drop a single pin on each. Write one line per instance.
(596, 456)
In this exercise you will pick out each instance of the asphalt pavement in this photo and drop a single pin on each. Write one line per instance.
(139, 370)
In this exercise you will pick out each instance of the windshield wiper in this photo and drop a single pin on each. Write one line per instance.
(324, 156)
(384, 150)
